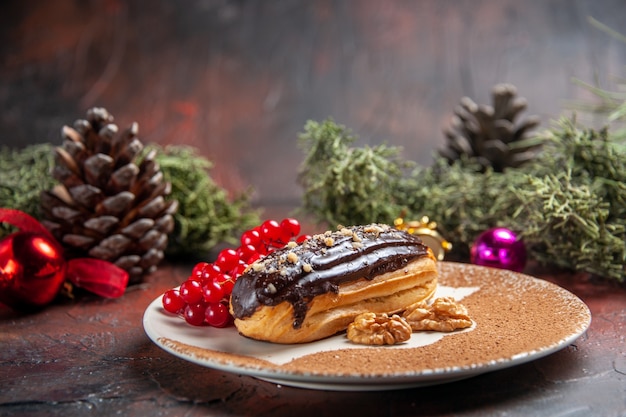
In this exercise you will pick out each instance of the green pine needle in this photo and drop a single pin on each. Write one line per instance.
(569, 204)
(206, 215)
(347, 185)
(24, 174)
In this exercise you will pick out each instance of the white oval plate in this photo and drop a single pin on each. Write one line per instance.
(517, 319)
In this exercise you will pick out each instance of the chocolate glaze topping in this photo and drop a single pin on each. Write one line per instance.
(297, 273)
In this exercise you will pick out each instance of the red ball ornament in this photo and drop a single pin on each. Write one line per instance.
(33, 267)
(32, 270)
(499, 248)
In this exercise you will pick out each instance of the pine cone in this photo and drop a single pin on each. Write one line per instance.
(109, 205)
(488, 135)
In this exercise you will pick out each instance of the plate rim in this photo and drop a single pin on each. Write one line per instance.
(350, 381)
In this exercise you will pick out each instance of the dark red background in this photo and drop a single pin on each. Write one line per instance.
(238, 79)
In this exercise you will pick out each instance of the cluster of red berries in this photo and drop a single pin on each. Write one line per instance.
(203, 298)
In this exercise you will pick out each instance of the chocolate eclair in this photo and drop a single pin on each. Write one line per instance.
(309, 291)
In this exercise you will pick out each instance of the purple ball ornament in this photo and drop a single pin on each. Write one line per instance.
(499, 248)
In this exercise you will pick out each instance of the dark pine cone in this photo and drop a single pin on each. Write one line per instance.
(489, 135)
(111, 203)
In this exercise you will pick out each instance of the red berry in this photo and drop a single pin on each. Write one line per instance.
(245, 252)
(251, 237)
(216, 315)
(191, 291)
(290, 227)
(226, 282)
(209, 272)
(196, 272)
(203, 297)
(227, 259)
(264, 249)
(238, 270)
(194, 314)
(254, 258)
(173, 302)
(270, 232)
(302, 238)
(212, 292)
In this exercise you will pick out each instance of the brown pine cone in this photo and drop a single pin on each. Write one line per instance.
(111, 202)
(489, 135)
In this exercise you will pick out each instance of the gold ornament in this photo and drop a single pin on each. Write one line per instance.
(427, 231)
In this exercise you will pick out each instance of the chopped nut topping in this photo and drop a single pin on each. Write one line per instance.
(292, 257)
(271, 288)
(329, 241)
(374, 228)
(257, 266)
(307, 267)
(443, 315)
(357, 245)
(291, 244)
(356, 238)
(378, 329)
(346, 232)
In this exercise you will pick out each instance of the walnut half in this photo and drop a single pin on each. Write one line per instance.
(379, 329)
(443, 315)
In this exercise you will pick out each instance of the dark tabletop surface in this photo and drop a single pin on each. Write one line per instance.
(91, 356)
